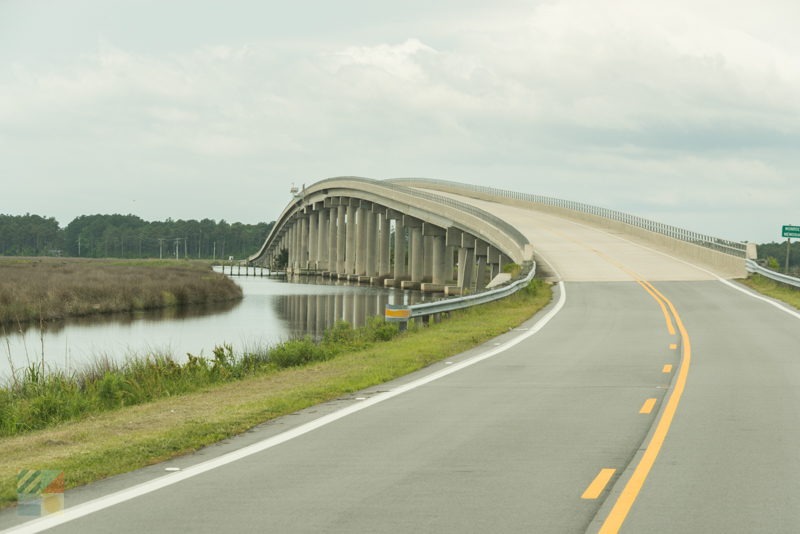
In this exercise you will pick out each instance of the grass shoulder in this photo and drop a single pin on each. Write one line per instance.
(103, 444)
(771, 288)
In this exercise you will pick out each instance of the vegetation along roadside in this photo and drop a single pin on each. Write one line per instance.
(116, 437)
(44, 289)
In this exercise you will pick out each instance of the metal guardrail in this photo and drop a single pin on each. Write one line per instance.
(754, 267)
(721, 245)
(457, 303)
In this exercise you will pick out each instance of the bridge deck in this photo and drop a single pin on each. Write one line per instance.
(580, 253)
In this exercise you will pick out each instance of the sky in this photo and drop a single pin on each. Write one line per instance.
(686, 112)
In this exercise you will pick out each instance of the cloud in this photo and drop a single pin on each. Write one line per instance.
(654, 107)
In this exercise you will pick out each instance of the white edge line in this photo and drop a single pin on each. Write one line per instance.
(95, 505)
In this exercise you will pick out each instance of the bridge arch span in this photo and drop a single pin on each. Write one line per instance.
(367, 230)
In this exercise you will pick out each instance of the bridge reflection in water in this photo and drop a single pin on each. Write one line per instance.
(313, 313)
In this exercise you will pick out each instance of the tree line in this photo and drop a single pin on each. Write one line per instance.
(129, 236)
(775, 255)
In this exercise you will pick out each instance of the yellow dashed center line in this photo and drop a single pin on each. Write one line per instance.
(667, 368)
(647, 407)
(598, 484)
(619, 511)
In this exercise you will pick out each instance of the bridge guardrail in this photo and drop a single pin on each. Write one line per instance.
(721, 245)
(754, 267)
(457, 303)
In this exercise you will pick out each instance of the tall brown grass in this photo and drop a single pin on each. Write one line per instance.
(46, 289)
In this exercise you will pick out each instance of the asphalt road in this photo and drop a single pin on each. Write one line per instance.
(511, 443)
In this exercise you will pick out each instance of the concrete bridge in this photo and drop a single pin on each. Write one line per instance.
(380, 233)
(436, 235)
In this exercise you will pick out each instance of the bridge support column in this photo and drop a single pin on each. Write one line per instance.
(416, 265)
(439, 254)
(449, 263)
(341, 239)
(481, 249)
(332, 234)
(480, 275)
(294, 246)
(494, 259)
(435, 239)
(427, 258)
(350, 237)
(417, 260)
(322, 240)
(313, 219)
(361, 241)
(400, 249)
(466, 261)
(371, 249)
(303, 255)
(383, 246)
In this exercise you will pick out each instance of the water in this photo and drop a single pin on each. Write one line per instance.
(272, 310)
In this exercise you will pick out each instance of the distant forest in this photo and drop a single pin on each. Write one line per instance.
(778, 251)
(128, 236)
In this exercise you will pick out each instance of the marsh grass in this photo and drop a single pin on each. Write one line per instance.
(34, 398)
(45, 290)
(227, 393)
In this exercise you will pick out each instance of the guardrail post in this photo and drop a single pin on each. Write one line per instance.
(394, 313)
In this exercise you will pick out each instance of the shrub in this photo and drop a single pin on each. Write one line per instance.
(533, 287)
(297, 352)
(340, 332)
(377, 329)
(513, 269)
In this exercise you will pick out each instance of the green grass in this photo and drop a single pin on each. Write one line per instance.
(123, 437)
(762, 284)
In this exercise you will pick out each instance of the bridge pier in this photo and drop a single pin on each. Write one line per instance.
(386, 239)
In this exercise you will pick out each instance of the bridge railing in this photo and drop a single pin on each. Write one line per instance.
(732, 248)
(754, 267)
(457, 303)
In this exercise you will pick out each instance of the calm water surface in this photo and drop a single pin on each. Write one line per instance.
(272, 310)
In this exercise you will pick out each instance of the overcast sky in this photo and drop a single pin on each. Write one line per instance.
(687, 112)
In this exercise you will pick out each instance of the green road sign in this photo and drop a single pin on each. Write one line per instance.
(791, 231)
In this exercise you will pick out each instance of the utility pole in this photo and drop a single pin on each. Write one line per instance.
(788, 252)
(79, 246)
(215, 250)
(185, 248)
(177, 244)
(160, 248)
